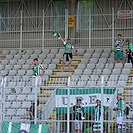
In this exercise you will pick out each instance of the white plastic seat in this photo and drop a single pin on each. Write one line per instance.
(4, 72)
(21, 97)
(5, 62)
(90, 50)
(11, 97)
(42, 56)
(17, 67)
(52, 66)
(25, 56)
(8, 67)
(98, 50)
(29, 62)
(90, 66)
(61, 51)
(13, 52)
(29, 73)
(105, 77)
(7, 104)
(106, 71)
(73, 83)
(84, 77)
(78, 71)
(81, 83)
(110, 60)
(97, 71)
(16, 104)
(16, 78)
(48, 72)
(11, 112)
(102, 60)
(80, 51)
(12, 72)
(59, 56)
(21, 112)
(91, 83)
(107, 50)
(54, 51)
(33, 56)
(94, 77)
(87, 55)
(47, 61)
(118, 66)
(111, 83)
(46, 51)
(17, 56)
(127, 65)
(50, 56)
(26, 90)
(25, 67)
(113, 77)
(81, 66)
(55, 61)
(87, 71)
(45, 66)
(93, 60)
(96, 55)
(29, 51)
(20, 84)
(9, 57)
(37, 51)
(13, 62)
(5, 52)
(30, 97)
(123, 78)
(105, 55)
(84, 61)
(122, 83)
(116, 71)
(26, 104)
(2, 67)
(21, 61)
(74, 78)
(100, 66)
(126, 71)
(21, 72)
(109, 65)
(11, 84)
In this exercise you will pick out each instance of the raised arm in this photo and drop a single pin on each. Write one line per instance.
(62, 39)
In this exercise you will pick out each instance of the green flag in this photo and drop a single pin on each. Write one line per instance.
(14, 127)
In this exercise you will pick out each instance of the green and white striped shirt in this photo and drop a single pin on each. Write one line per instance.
(37, 69)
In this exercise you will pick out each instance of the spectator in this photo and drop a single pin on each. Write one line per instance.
(129, 51)
(120, 107)
(78, 113)
(118, 49)
(36, 67)
(32, 111)
(69, 48)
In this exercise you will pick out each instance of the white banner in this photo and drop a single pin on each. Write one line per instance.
(124, 14)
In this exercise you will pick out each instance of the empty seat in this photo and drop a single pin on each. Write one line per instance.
(11, 97)
(109, 65)
(30, 97)
(105, 55)
(102, 60)
(98, 50)
(33, 56)
(29, 73)
(17, 56)
(51, 56)
(7, 104)
(20, 84)
(90, 50)
(81, 66)
(80, 51)
(13, 62)
(21, 61)
(29, 61)
(5, 62)
(29, 51)
(52, 66)
(37, 51)
(54, 51)
(81, 83)
(5, 52)
(47, 61)
(127, 65)
(113, 77)
(21, 97)
(90, 66)
(91, 83)
(4, 72)
(84, 60)
(48, 72)
(123, 78)
(78, 71)
(42, 56)
(84, 77)
(13, 51)
(100, 66)
(59, 56)
(96, 55)
(17, 67)
(46, 51)
(21, 112)
(26, 56)
(87, 55)
(9, 57)
(25, 67)
(93, 60)
(94, 77)
(8, 67)
(116, 71)
(61, 51)
(87, 71)
(126, 71)
(26, 90)
(55, 61)
(111, 83)
(16, 104)
(118, 66)
(11, 112)
(21, 72)
(106, 71)
(26, 104)
(97, 71)
(74, 78)
(12, 72)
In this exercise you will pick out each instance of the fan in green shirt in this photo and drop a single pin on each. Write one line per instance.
(69, 48)
(130, 51)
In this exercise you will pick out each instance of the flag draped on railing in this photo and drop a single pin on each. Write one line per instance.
(14, 127)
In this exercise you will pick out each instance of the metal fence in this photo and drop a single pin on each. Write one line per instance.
(91, 30)
(57, 102)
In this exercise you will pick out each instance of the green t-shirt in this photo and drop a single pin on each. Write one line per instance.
(130, 47)
(120, 104)
(68, 47)
(36, 69)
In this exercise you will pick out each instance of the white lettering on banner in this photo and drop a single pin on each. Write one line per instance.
(87, 99)
(124, 14)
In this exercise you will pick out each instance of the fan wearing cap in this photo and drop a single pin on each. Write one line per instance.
(78, 114)
(120, 107)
